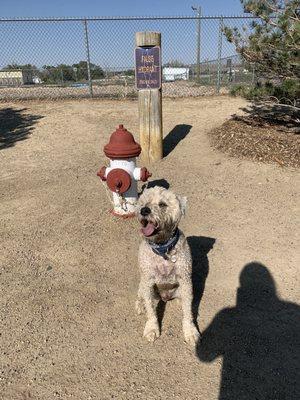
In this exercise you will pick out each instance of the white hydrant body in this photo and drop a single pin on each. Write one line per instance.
(122, 175)
(125, 203)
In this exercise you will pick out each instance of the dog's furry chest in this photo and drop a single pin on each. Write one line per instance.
(164, 270)
(165, 279)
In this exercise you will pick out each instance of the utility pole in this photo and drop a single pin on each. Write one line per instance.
(198, 11)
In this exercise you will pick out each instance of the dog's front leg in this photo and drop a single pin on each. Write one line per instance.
(151, 331)
(190, 332)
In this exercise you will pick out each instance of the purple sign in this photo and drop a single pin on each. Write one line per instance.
(147, 67)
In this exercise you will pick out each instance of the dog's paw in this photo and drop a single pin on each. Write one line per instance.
(191, 334)
(151, 331)
(139, 307)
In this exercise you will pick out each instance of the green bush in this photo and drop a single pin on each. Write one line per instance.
(286, 92)
(239, 90)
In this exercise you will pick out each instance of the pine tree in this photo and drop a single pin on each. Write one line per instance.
(273, 42)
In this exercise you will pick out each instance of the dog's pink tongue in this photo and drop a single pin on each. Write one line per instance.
(148, 229)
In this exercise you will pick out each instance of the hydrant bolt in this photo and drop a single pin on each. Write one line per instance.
(101, 173)
(145, 174)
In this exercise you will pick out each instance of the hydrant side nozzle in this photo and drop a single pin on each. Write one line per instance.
(145, 174)
(102, 173)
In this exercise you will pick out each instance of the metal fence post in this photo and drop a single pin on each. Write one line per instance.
(198, 9)
(88, 61)
(220, 39)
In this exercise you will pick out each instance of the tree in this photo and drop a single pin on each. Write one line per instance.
(59, 74)
(175, 63)
(272, 46)
(129, 72)
(70, 73)
(81, 71)
(11, 67)
(273, 43)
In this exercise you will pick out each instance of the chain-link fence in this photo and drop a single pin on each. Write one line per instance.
(94, 57)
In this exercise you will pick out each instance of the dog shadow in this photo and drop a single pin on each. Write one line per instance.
(156, 182)
(200, 247)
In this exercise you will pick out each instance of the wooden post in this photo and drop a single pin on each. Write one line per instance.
(150, 107)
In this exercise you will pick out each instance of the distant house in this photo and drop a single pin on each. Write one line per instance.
(16, 77)
(171, 74)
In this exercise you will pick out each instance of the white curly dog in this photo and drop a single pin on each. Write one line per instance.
(164, 259)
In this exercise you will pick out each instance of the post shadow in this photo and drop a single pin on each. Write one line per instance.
(178, 133)
(15, 126)
(259, 341)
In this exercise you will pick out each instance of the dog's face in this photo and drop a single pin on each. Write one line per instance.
(159, 211)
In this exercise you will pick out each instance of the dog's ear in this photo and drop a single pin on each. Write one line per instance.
(182, 203)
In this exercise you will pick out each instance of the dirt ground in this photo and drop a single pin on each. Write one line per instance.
(69, 269)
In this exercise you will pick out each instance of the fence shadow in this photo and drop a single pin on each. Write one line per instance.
(178, 133)
(15, 126)
(260, 114)
(258, 339)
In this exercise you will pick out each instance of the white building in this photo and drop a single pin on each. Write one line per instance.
(171, 74)
(16, 77)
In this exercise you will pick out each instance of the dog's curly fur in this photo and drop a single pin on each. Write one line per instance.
(167, 277)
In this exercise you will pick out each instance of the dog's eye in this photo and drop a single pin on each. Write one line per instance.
(162, 204)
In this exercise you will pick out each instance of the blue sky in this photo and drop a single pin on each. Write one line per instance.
(111, 42)
(58, 8)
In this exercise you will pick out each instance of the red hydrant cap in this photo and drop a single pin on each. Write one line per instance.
(122, 145)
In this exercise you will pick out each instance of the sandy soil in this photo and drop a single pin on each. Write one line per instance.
(69, 269)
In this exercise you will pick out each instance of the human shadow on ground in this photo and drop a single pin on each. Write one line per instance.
(200, 247)
(178, 133)
(262, 114)
(259, 340)
(15, 126)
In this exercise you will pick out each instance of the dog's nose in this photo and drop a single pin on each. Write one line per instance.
(145, 211)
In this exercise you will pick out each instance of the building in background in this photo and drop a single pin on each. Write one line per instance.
(171, 74)
(16, 77)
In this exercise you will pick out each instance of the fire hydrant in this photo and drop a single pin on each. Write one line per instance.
(122, 174)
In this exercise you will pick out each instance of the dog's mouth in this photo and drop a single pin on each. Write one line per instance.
(149, 228)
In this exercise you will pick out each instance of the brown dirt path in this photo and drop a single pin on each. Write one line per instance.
(68, 271)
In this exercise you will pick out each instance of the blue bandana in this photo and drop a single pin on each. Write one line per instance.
(161, 249)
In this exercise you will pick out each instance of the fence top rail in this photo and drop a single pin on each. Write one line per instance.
(60, 19)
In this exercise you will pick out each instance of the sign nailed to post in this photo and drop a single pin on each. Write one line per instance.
(148, 83)
(148, 67)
